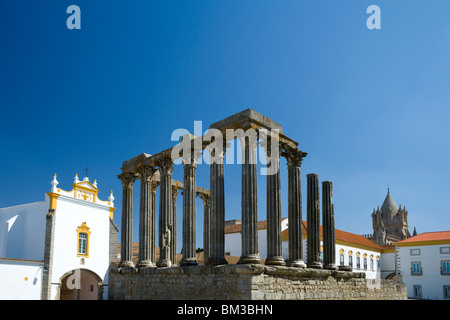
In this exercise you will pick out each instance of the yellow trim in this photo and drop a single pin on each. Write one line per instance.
(52, 196)
(78, 185)
(85, 192)
(111, 213)
(423, 243)
(83, 229)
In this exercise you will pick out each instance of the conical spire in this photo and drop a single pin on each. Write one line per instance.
(389, 204)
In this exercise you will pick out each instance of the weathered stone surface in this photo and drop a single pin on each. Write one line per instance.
(127, 219)
(294, 158)
(248, 282)
(249, 204)
(313, 220)
(329, 240)
(165, 212)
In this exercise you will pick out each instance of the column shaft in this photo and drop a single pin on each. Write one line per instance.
(153, 217)
(206, 227)
(274, 243)
(126, 251)
(329, 241)
(173, 222)
(294, 159)
(249, 205)
(189, 215)
(165, 211)
(146, 246)
(217, 211)
(313, 220)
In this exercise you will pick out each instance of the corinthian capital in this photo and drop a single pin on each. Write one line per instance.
(165, 166)
(204, 197)
(146, 173)
(127, 179)
(293, 156)
(191, 157)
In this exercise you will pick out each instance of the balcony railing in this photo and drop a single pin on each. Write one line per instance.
(445, 272)
(416, 272)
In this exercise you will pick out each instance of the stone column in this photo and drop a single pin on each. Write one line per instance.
(189, 213)
(313, 220)
(155, 185)
(329, 240)
(249, 204)
(165, 211)
(217, 209)
(126, 252)
(146, 246)
(173, 222)
(206, 227)
(274, 242)
(294, 160)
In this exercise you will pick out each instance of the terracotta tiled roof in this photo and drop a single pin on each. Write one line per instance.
(340, 235)
(428, 236)
(345, 236)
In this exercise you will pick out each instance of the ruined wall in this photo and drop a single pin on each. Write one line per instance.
(247, 282)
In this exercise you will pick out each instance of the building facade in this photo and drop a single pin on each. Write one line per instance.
(353, 250)
(423, 263)
(58, 248)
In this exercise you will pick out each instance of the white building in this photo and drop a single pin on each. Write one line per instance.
(58, 248)
(352, 250)
(423, 263)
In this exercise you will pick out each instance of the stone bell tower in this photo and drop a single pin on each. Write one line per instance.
(390, 223)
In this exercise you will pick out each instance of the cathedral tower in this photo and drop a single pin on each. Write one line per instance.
(390, 223)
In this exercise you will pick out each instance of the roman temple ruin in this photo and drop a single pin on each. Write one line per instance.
(164, 278)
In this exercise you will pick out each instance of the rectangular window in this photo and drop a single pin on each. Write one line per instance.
(417, 291)
(342, 259)
(358, 263)
(82, 243)
(350, 261)
(371, 264)
(444, 250)
(365, 263)
(446, 292)
(414, 252)
(445, 267)
(416, 268)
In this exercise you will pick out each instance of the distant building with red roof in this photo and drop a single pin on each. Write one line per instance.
(423, 263)
(355, 250)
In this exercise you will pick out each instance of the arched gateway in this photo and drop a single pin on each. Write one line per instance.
(81, 284)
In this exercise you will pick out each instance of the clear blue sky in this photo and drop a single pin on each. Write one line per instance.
(370, 107)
